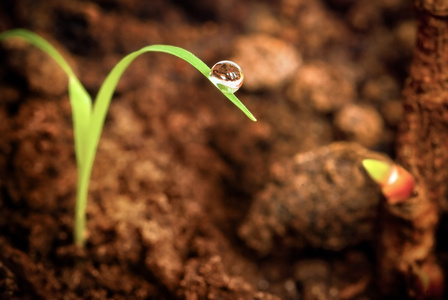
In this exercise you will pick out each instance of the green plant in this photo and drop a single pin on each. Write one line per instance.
(88, 119)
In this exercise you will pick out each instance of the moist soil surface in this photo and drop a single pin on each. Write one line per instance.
(189, 199)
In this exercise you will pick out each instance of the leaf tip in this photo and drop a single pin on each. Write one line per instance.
(378, 170)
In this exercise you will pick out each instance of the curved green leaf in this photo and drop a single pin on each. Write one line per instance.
(107, 89)
(80, 100)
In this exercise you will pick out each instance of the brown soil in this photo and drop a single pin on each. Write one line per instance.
(189, 199)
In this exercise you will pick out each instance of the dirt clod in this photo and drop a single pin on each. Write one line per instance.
(308, 205)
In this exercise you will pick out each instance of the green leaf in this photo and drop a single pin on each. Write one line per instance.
(40, 43)
(81, 103)
(378, 170)
(81, 115)
(201, 67)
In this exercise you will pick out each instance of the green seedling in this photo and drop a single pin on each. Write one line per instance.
(88, 118)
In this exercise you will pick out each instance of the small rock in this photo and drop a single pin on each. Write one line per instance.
(321, 87)
(267, 62)
(319, 199)
(361, 124)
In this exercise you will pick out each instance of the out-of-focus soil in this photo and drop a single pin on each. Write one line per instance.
(189, 199)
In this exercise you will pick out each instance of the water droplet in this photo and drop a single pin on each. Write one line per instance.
(227, 75)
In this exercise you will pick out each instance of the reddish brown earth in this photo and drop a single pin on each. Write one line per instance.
(189, 199)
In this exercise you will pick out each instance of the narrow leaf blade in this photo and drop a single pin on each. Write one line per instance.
(80, 100)
(204, 69)
(81, 115)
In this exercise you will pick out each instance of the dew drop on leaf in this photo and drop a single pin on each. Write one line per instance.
(227, 75)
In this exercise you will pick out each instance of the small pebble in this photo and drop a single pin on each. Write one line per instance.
(321, 87)
(360, 123)
(267, 62)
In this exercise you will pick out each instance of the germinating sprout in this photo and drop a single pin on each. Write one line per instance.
(88, 118)
(397, 184)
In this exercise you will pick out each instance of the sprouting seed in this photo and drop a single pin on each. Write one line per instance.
(397, 184)
(227, 75)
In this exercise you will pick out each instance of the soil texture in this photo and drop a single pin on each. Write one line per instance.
(189, 199)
